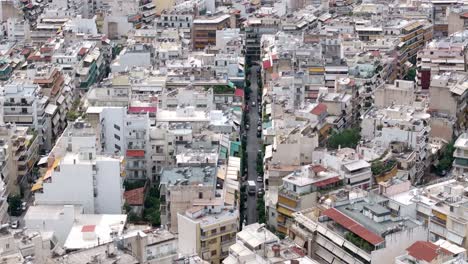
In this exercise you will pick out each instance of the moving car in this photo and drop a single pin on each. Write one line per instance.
(252, 187)
(254, 104)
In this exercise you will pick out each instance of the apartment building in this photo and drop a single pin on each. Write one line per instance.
(400, 124)
(25, 105)
(154, 246)
(457, 19)
(460, 164)
(255, 28)
(20, 154)
(77, 174)
(339, 108)
(204, 29)
(91, 69)
(448, 93)
(179, 187)
(364, 231)
(265, 248)
(175, 19)
(413, 35)
(401, 92)
(208, 228)
(56, 86)
(440, 12)
(448, 54)
(300, 190)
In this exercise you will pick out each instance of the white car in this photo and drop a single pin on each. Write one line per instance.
(14, 224)
(253, 104)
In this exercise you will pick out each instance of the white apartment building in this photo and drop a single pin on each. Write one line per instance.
(399, 124)
(354, 170)
(80, 176)
(460, 164)
(24, 105)
(125, 131)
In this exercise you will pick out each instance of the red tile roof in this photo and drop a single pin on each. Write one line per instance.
(88, 228)
(353, 226)
(266, 64)
(423, 250)
(135, 196)
(142, 109)
(239, 92)
(327, 182)
(319, 109)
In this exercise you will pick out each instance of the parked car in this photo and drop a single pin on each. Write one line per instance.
(259, 128)
(260, 192)
(254, 103)
(259, 179)
(24, 206)
(259, 133)
(14, 224)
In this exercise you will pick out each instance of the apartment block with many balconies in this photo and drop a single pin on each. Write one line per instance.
(208, 228)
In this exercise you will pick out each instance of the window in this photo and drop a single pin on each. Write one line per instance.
(7, 246)
(117, 127)
(222, 229)
(117, 137)
(24, 110)
(117, 147)
(213, 253)
(200, 195)
(12, 100)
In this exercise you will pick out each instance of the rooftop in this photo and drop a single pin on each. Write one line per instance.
(189, 176)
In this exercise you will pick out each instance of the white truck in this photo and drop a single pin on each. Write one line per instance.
(251, 187)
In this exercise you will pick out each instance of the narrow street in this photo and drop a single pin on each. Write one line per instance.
(252, 147)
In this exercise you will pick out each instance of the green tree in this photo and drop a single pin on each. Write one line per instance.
(130, 185)
(446, 160)
(411, 75)
(152, 212)
(261, 210)
(348, 138)
(14, 203)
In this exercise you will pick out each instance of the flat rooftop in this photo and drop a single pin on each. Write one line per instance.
(189, 176)
(355, 212)
(99, 252)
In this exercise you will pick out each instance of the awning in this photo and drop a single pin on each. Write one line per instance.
(43, 160)
(454, 238)
(285, 211)
(327, 182)
(36, 187)
(51, 169)
(353, 226)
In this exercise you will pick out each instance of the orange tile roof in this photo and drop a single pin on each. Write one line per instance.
(135, 196)
(423, 250)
